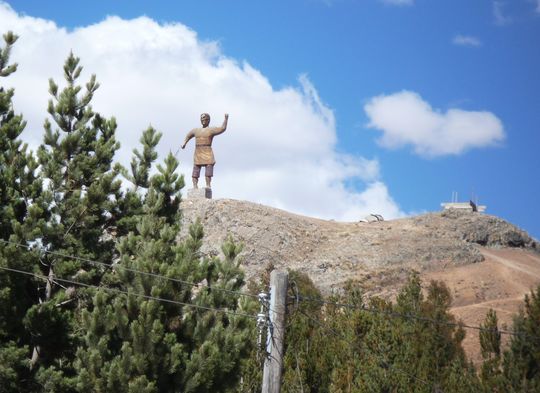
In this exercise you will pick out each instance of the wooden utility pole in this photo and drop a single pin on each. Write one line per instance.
(273, 365)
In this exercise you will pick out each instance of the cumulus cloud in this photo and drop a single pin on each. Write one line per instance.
(465, 40)
(398, 2)
(279, 148)
(406, 119)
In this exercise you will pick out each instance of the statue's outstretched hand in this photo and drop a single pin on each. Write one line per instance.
(226, 116)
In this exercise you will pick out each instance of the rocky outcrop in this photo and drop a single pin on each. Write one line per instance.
(489, 230)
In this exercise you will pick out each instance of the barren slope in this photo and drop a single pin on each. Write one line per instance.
(499, 282)
(334, 252)
(485, 261)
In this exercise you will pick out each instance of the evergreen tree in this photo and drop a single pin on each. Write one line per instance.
(521, 364)
(413, 345)
(305, 360)
(135, 344)
(13, 153)
(490, 347)
(131, 205)
(21, 217)
(76, 160)
(461, 378)
(81, 197)
(307, 367)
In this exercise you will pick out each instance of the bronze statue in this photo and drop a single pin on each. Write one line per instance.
(204, 156)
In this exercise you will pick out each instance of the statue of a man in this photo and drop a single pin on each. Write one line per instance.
(204, 156)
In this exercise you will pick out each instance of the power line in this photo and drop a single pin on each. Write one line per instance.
(395, 314)
(149, 297)
(149, 274)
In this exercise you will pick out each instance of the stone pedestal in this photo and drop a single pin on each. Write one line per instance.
(199, 193)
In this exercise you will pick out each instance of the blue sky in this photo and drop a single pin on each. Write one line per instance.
(458, 61)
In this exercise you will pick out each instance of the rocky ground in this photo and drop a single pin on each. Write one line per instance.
(485, 261)
(334, 252)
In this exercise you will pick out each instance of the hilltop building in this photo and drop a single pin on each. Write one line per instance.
(464, 206)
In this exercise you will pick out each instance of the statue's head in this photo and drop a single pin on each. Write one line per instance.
(205, 119)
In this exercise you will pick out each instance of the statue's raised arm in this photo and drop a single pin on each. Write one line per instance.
(221, 130)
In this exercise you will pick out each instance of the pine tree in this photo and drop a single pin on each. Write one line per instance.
(461, 378)
(76, 161)
(429, 344)
(81, 197)
(21, 217)
(71, 213)
(410, 346)
(521, 363)
(490, 347)
(147, 345)
(131, 204)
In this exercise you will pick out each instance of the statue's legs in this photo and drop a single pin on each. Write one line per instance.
(209, 172)
(195, 175)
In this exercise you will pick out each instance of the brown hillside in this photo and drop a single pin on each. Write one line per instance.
(485, 261)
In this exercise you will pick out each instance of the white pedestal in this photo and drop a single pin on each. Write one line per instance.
(199, 193)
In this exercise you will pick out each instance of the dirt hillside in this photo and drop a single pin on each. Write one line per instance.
(485, 261)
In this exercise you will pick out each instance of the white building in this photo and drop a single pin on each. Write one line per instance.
(467, 206)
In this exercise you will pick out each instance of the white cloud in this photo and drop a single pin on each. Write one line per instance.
(501, 19)
(538, 6)
(279, 148)
(398, 2)
(465, 40)
(406, 119)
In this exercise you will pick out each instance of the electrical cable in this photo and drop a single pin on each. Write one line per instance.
(149, 274)
(149, 297)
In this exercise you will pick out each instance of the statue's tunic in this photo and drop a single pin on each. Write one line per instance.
(203, 145)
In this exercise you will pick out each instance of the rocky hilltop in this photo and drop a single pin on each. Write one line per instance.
(486, 261)
(332, 253)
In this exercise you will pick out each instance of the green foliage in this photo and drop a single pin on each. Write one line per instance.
(134, 344)
(521, 363)
(131, 205)
(21, 216)
(142, 161)
(490, 346)
(13, 366)
(412, 345)
(76, 209)
(85, 340)
(18, 183)
(394, 347)
(306, 358)
(5, 68)
(76, 161)
(461, 377)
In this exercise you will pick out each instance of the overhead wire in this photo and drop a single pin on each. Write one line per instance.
(115, 290)
(149, 274)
